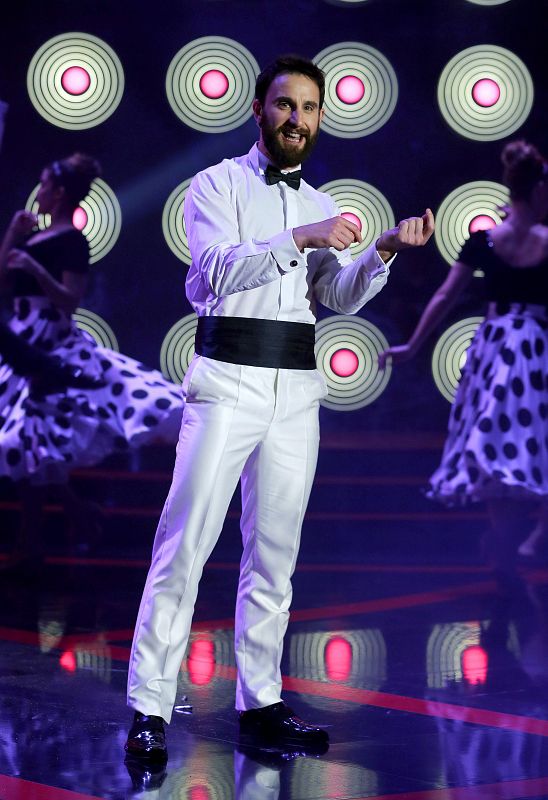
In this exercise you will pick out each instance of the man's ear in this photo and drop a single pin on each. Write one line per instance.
(257, 111)
(322, 112)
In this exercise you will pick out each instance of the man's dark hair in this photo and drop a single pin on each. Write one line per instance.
(292, 64)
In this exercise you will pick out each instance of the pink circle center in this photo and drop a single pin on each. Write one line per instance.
(338, 659)
(352, 218)
(481, 223)
(486, 92)
(350, 89)
(79, 218)
(344, 362)
(214, 84)
(75, 80)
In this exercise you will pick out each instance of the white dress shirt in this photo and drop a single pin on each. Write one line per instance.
(245, 262)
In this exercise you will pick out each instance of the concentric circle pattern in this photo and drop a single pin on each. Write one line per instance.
(363, 205)
(347, 350)
(485, 92)
(178, 348)
(449, 355)
(346, 2)
(75, 81)
(98, 216)
(96, 327)
(173, 222)
(468, 208)
(210, 84)
(488, 2)
(361, 89)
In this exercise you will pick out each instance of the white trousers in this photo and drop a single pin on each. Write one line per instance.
(260, 424)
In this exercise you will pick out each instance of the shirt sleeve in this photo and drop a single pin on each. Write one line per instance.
(344, 284)
(221, 261)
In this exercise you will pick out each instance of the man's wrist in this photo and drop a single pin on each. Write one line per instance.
(386, 255)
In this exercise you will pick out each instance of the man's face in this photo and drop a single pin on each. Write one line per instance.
(289, 119)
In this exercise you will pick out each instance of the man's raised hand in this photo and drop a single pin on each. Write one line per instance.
(411, 232)
(336, 232)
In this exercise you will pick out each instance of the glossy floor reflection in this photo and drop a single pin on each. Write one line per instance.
(430, 676)
(438, 680)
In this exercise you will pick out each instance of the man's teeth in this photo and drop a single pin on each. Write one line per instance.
(293, 137)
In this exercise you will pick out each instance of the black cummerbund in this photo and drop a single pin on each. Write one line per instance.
(257, 342)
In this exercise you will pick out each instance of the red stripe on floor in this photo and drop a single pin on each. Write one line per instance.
(414, 705)
(505, 790)
(19, 789)
(104, 561)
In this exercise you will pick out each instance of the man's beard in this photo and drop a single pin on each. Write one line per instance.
(286, 155)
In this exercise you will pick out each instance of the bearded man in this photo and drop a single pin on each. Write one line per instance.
(266, 247)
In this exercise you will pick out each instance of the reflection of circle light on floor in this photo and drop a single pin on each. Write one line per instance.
(214, 84)
(79, 218)
(486, 92)
(338, 659)
(75, 80)
(344, 363)
(350, 90)
(352, 218)
(481, 223)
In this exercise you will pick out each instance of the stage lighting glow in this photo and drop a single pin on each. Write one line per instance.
(75, 81)
(475, 662)
(96, 327)
(210, 84)
(361, 89)
(363, 205)
(99, 213)
(178, 348)
(481, 223)
(68, 661)
(350, 89)
(214, 84)
(341, 341)
(446, 644)
(449, 356)
(485, 92)
(79, 218)
(201, 662)
(338, 659)
(173, 222)
(344, 363)
(465, 209)
(352, 218)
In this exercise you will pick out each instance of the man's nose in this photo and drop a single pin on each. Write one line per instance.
(296, 117)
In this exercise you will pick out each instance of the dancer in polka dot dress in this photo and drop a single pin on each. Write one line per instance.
(497, 446)
(42, 437)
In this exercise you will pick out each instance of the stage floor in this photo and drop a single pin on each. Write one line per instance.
(430, 678)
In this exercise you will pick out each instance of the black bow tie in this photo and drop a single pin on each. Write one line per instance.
(274, 175)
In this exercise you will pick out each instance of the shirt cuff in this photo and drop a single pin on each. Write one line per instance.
(378, 266)
(286, 254)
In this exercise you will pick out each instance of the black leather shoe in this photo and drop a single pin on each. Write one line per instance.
(147, 738)
(278, 723)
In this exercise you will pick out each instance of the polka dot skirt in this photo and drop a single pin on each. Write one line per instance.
(78, 427)
(497, 444)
